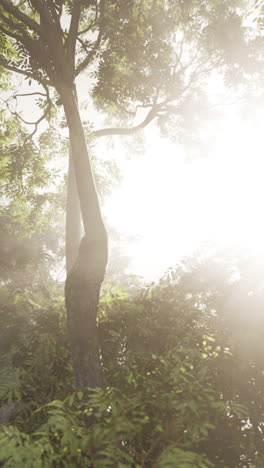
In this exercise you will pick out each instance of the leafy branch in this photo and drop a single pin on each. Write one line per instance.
(97, 42)
(44, 115)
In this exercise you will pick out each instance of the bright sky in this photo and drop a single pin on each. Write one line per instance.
(172, 204)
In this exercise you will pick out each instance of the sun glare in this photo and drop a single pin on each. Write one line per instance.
(172, 204)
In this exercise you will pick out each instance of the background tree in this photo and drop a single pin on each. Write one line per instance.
(151, 55)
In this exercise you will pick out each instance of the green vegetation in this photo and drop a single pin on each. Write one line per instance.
(184, 369)
(176, 376)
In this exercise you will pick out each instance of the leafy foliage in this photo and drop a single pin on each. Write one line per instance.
(184, 383)
(150, 57)
(182, 388)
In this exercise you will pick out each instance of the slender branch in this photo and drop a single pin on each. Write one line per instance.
(179, 55)
(154, 111)
(29, 44)
(30, 94)
(33, 47)
(18, 14)
(89, 27)
(11, 34)
(14, 26)
(96, 46)
(128, 112)
(85, 47)
(27, 122)
(89, 56)
(36, 122)
(15, 69)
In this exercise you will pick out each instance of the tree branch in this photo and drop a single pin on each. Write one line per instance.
(34, 47)
(154, 111)
(13, 68)
(41, 118)
(53, 35)
(88, 28)
(14, 26)
(56, 16)
(97, 43)
(15, 36)
(89, 56)
(70, 44)
(18, 14)
(37, 93)
(44, 14)
(84, 46)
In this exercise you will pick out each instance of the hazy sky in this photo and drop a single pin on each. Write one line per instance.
(171, 203)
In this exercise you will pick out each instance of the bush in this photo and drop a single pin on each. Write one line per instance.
(180, 391)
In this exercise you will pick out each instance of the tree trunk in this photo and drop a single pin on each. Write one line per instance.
(82, 287)
(73, 217)
(73, 213)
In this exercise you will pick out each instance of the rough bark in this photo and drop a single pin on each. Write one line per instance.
(82, 287)
(82, 290)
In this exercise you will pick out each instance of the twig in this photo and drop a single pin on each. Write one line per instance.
(154, 112)
(18, 14)
(96, 46)
(30, 94)
(90, 55)
(89, 27)
(41, 118)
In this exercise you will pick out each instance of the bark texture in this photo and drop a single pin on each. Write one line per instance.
(83, 283)
(82, 289)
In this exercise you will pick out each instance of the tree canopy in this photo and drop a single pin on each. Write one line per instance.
(149, 54)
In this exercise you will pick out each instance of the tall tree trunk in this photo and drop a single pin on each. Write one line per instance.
(73, 213)
(82, 287)
(73, 217)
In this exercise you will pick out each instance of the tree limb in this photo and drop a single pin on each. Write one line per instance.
(85, 47)
(15, 36)
(88, 28)
(56, 16)
(154, 111)
(27, 42)
(97, 43)
(34, 47)
(15, 69)
(54, 36)
(37, 93)
(70, 44)
(40, 119)
(89, 56)
(14, 26)
(18, 14)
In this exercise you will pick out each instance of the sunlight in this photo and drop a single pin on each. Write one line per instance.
(186, 202)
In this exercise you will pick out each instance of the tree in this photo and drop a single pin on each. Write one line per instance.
(152, 54)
